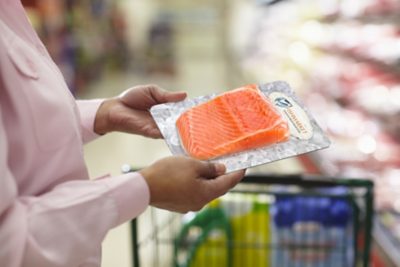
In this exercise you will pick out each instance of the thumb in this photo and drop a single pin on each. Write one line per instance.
(223, 183)
(174, 96)
(160, 95)
(210, 170)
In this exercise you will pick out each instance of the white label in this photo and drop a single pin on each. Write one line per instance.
(299, 123)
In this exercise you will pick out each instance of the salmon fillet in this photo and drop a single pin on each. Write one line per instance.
(234, 121)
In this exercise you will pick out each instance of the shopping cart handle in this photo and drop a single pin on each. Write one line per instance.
(305, 180)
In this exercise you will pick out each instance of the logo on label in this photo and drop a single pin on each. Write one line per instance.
(283, 102)
(299, 123)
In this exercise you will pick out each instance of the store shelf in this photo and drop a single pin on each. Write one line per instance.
(83, 37)
(393, 69)
(384, 18)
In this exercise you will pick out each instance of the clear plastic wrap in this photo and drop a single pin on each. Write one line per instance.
(305, 134)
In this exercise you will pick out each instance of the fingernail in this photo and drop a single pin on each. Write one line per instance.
(220, 168)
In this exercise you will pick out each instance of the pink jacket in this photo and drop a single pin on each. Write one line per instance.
(51, 214)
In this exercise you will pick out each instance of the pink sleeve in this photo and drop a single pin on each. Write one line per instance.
(87, 111)
(64, 226)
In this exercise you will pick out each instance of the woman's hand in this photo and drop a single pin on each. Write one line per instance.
(183, 184)
(130, 113)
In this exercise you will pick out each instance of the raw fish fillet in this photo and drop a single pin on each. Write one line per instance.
(234, 121)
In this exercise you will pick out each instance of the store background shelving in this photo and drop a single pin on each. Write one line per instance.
(84, 38)
(343, 58)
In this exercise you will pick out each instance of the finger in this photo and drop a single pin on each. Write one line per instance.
(210, 170)
(223, 183)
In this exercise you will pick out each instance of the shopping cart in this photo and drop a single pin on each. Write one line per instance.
(266, 220)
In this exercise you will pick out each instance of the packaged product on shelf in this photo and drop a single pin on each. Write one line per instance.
(359, 41)
(373, 8)
(241, 128)
(230, 231)
(313, 231)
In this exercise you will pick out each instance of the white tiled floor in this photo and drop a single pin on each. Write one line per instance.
(201, 69)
